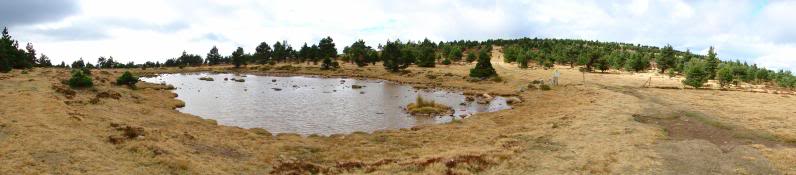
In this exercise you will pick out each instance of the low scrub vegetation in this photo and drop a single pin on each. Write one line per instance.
(427, 107)
(127, 79)
(80, 80)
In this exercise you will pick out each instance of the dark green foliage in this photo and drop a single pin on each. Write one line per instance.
(79, 80)
(44, 61)
(262, 54)
(602, 64)
(446, 61)
(213, 57)
(78, 64)
(712, 63)
(616, 60)
(393, 58)
(127, 79)
(85, 70)
(425, 54)
(667, 60)
(636, 63)
(471, 56)
(724, 75)
(456, 53)
(4, 66)
(238, 58)
(523, 58)
(326, 48)
(328, 64)
(511, 53)
(695, 74)
(682, 61)
(358, 52)
(483, 69)
(281, 51)
(190, 59)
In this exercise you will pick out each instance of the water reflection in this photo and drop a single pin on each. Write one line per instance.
(311, 105)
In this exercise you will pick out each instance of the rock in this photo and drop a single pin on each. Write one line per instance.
(356, 86)
(239, 80)
(362, 92)
(469, 98)
(179, 104)
(225, 79)
(206, 78)
(513, 100)
(273, 80)
(277, 89)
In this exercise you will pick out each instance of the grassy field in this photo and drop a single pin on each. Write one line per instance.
(593, 123)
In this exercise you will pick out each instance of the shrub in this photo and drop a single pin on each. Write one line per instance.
(724, 75)
(446, 61)
(695, 74)
(79, 80)
(127, 79)
(328, 64)
(545, 87)
(483, 69)
(86, 71)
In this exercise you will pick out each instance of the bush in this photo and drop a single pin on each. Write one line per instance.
(328, 64)
(86, 71)
(80, 80)
(127, 79)
(695, 74)
(724, 75)
(545, 87)
(483, 69)
(446, 61)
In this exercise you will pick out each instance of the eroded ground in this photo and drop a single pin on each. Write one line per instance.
(606, 124)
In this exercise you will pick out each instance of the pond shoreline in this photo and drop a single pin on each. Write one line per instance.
(193, 89)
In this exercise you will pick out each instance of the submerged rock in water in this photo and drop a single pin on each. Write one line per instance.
(239, 80)
(357, 86)
(206, 78)
(277, 89)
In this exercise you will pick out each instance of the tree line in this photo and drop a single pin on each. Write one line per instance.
(398, 55)
(603, 56)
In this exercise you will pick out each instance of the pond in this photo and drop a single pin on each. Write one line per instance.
(312, 105)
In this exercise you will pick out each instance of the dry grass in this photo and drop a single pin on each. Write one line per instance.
(427, 107)
(576, 128)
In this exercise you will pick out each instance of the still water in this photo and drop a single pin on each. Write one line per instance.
(312, 105)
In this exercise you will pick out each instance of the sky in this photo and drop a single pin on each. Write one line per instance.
(759, 32)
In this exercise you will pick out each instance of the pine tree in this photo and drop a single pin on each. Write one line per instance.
(483, 69)
(358, 52)
(213, 57)
(425, 54)
(712, 64)
(262, 53)
(237, 57)
(393, 58)
(695, 74)
(724, 75)
(327, 48)
(666, 60)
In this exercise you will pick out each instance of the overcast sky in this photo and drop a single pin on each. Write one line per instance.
(762, 32)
